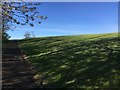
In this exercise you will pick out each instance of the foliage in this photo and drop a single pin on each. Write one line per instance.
(21, 13)
(85, 61)
(27, 35)
(5, 37)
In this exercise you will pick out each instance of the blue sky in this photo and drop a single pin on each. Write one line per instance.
(68, 18)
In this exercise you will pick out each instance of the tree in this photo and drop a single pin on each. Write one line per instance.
(19, 13)
(4, 35)
(27, 35)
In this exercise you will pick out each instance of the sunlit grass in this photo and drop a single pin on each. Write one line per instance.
(84, 61)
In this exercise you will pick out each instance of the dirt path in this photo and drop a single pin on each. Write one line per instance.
(16, 72)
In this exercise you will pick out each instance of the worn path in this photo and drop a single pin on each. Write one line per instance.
(16, 72)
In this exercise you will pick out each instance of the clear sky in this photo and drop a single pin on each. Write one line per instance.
(68, 18)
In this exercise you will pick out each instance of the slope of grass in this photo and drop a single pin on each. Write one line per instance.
(84, 61)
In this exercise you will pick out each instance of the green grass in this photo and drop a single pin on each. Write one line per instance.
(84, 61)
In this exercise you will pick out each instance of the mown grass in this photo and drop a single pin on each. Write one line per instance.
(84, 61)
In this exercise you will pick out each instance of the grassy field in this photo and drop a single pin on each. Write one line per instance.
(83, 61)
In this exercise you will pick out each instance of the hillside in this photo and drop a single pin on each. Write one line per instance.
(83, 61)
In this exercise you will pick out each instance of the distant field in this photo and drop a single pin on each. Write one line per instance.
(84, 61)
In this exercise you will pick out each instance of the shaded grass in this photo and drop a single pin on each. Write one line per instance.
(85, 61)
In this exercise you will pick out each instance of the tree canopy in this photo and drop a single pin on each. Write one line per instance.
(21, 13)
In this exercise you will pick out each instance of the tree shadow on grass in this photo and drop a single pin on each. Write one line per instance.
(91, 64)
